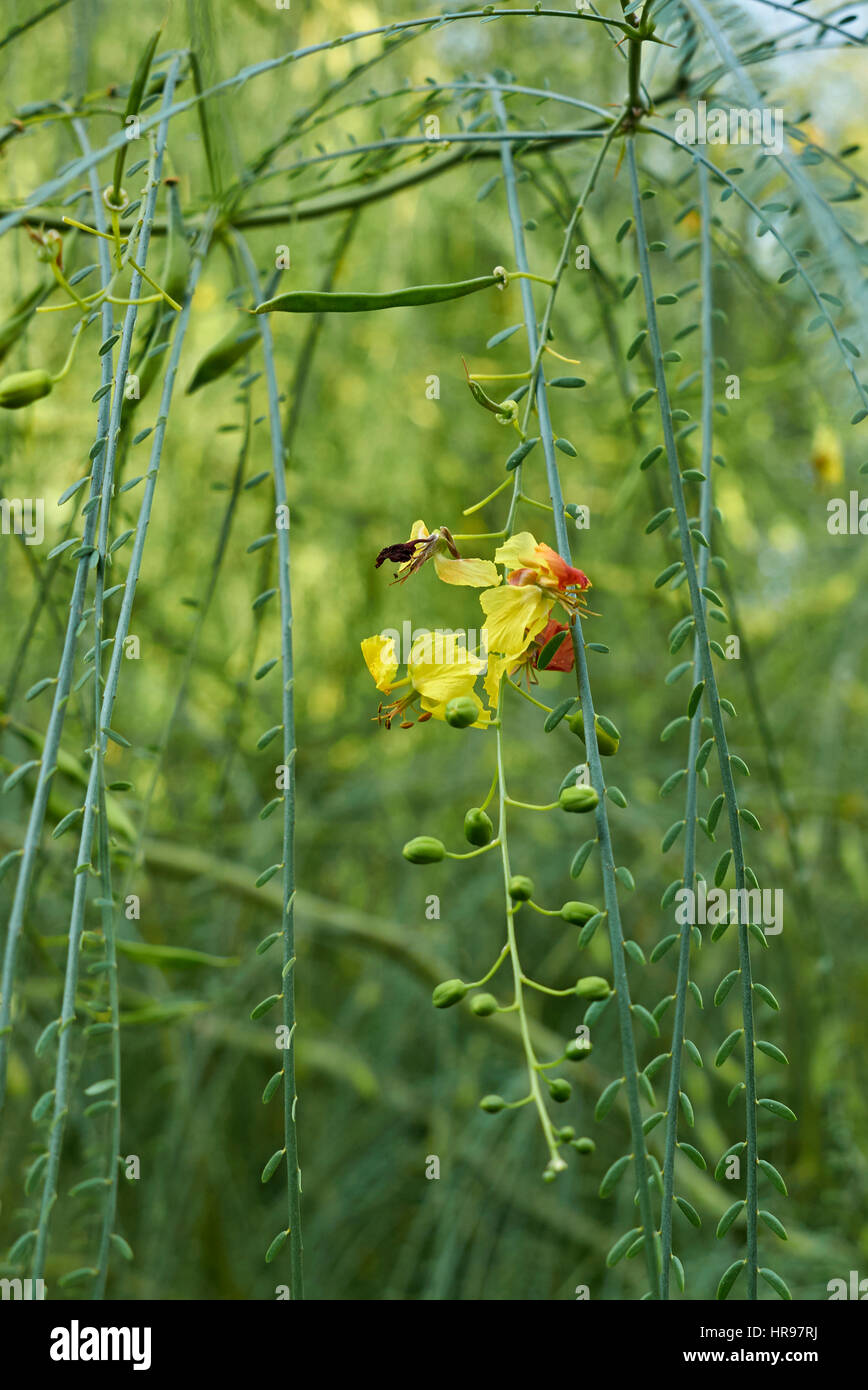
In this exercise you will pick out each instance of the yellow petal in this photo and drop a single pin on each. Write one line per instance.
(496, 667)
(419, 531)
(381, 659)
(477, 573)
(514, 616)
(440, 667)
(518, 551)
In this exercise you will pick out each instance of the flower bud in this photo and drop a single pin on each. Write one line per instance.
(520, 888)
(576, 1051)
(478, 828)
(484, 1005)
(23, 388)
(566, 1133)
(491, 1104)
(424, 850)
(578, 913)
(583, 1146)
(462, 712)
(560, 1090)
(553, 1167)
(578, 799)
(447, 993)
(592, 987)
(607, 744)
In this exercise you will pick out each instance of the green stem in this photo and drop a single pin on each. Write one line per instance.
(616, 938)
(556, 1163)
(672, 1105)
(290, 1097)
(716, 713)
(105, 705)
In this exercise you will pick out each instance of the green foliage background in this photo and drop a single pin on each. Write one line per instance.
(383, 1080)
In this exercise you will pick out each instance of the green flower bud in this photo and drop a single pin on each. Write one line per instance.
(578, 799)
(605, 742)
(560, 1090)
(566, 1133)
(592, 987)
(478, 828)
(576, 1051)
(491, 1104)
(578, 913)
(520, 888)
(484, 1005)
(553, 1167)
(583, 1146)
(424, 850)
(23, 388)
(462, 712)
(447, 993)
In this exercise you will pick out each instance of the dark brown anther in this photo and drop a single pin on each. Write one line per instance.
(400, 553)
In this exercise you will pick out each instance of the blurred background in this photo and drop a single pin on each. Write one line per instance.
(384, 1080)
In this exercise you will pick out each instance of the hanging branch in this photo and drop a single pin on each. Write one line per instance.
(607, 864)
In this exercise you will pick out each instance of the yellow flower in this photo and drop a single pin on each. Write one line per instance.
(437, 545)
(439, 669)
(514, 614)
(827, 458)
(381, 659)
(519, 610)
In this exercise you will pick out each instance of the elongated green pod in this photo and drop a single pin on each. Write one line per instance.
(13, 327)
(23, 388)
(359, 301)
(137, 91)
(222, 357)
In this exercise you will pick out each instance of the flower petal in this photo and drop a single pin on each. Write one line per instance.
(518, 551)
(514, 616)
(564, 574)
(477, 573)
(381, 659)
(440, 667)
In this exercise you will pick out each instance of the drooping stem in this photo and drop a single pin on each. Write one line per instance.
(63, 683)
(103, 707)
(556, 1163)
(716, 713)
(690, 806)
(616, 937)
(290, 1097)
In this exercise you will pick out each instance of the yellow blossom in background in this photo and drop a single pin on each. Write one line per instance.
(827, 456)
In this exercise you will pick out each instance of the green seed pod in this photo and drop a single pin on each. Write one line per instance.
(462, 712)
(592, 987)
(520, 888)
(484, 1005)
(607, 745)
(447, 993)
(23, 388)
(491, 1104)
(584, 1146)
(578, 799)
(578, 913)
(355, 301)
(424, 850)
(478, 828)
(223, 356)
(560, 1090)
(14, 326)
(576, 1051)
